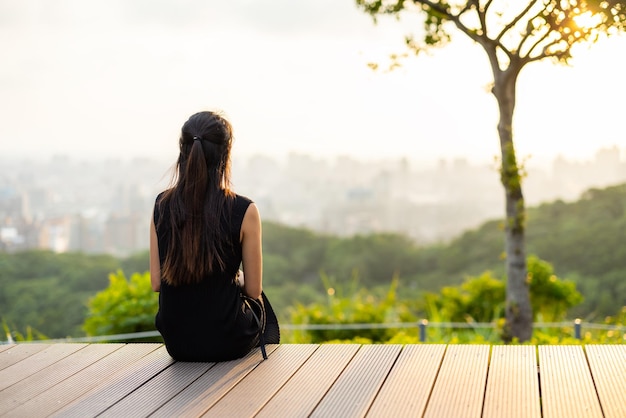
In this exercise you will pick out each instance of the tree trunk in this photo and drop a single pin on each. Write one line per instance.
(518, 308)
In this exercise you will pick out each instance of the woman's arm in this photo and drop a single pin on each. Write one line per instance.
(252, 252)
(155, 265)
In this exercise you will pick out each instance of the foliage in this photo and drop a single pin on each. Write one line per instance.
(138, 262)
(374, 257)
(583, 240)
(550, 297)
(481, 299)
(292, 254)
(126, 306)
(47, 291)
(612, 331)
(530, 30)
(298, 253)
(360, 307)
(615, 335)
(466, 308)
(14, 335)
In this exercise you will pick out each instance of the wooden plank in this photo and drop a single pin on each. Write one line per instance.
(117, 386)
(459, 389)
(355, 389)
(198, 397)
(253, 391)
(408, 386)
(158, 390)
(4, 347)
(310, 380)
(38, 361)
(308, 385)
(19, 352)
(512, 383)
(567, 388)
(608, 368)
(44, 379)
(78, 384)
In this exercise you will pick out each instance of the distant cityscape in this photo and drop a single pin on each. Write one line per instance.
(64, 204)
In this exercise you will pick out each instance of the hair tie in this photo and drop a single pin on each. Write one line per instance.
(196, 138)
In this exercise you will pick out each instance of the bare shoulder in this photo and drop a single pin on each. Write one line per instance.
(252, 211)
(251, 224)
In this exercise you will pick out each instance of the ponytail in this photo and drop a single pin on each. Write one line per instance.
(199, 201)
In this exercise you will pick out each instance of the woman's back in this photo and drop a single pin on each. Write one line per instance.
(202, 320)
(201, 233)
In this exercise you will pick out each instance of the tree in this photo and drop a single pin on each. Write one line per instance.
(513, 34)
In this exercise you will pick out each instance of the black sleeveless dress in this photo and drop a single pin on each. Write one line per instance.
(210, 321)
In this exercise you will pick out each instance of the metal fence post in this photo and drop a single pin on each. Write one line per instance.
(422, 326)
(577, 329)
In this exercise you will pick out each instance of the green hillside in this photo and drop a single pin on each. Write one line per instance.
(583, 240)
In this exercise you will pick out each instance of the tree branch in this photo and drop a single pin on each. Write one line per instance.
(453, 18)
(515, 20)
(528, 33)
(527, 57)
(569, 38)
(482, 16)
(468, 6)
(558, 54)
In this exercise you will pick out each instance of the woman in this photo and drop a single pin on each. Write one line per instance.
(201, 233)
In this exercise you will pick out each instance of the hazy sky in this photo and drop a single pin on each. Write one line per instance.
(119, 77)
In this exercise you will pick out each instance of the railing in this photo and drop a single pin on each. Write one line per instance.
(421, 326)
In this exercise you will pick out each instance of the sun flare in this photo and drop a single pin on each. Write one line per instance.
(587, 20)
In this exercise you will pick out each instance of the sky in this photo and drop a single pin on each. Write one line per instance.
(118, 78)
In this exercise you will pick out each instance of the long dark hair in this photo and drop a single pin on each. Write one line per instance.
(198, 201)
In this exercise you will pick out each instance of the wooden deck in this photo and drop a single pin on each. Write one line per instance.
(425, 380)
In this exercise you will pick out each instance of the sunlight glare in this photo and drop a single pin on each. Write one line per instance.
(587, 20)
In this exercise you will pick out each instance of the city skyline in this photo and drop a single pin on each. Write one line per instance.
(114, 79)
(66, 204)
